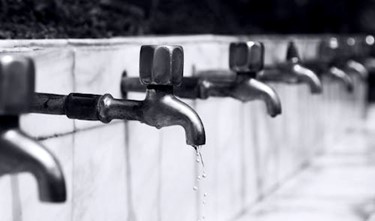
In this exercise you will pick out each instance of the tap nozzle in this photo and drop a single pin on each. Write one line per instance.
(345, 54)
(247, 60)
(161, 68)
(355, 56)
(332, 56)
(292, 71)
(338, 73)
(19, 152)
(302, 73)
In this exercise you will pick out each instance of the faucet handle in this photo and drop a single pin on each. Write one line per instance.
(352, 47)
(368, 44)
(161, 65)
(17, 84)
(292, 53)
(360, 47)
(329, 49)
(246, 56)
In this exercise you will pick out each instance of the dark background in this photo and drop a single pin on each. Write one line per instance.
(108, 18)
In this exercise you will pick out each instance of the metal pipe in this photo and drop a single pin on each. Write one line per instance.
(48, 104)
(159, 109)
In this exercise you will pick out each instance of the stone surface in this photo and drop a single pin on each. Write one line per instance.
(337, 186)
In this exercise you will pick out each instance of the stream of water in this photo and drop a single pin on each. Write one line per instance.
(201, 175)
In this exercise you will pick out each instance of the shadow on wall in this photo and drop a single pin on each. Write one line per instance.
(107, 18)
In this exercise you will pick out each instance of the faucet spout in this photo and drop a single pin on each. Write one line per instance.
(20, 153)
(292, 71)
(306, 75)
(358, 68)
(252, 89)
(161, 109)
(343, 77)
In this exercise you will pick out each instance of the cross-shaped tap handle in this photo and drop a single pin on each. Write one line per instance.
(246, 57)
(161, 65)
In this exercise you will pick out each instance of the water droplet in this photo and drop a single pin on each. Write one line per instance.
(204, 175)
(195, 188)
(201, 158)
(197, 148)
(198, 160)
(198, 177)
(205, 194)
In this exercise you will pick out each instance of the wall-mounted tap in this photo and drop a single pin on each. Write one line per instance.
(161, 68)
(332, 51)
(18, 151)
(292, 71)
(326, 63)
(346, 53)
(368, 51)
(360, 57)
(356, 54)
(340, 74)
(245, 60)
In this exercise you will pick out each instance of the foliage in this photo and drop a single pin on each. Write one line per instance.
(108, 18)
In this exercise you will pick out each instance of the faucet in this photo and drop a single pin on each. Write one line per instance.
(18, 151)
(161, 68)
(292, 71)
(340, 74)
(356, 56)
(367, 55)
(330, 62)
(245, 59)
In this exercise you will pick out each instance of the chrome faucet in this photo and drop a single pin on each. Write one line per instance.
(161, 67)
(365, 52)
(246, 59)
(292, 71)
(356, 55)
(329, 63)
(18, 151)
(340, 74)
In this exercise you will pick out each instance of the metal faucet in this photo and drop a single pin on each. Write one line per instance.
(161, 67)
(330, 63)
(340, 74)
(18, 151)
(347, 54)
(356, 55)
(246, 59)
(367, 55)
(292, 71)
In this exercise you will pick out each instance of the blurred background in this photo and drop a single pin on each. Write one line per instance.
(29, 19)
(108, 18)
